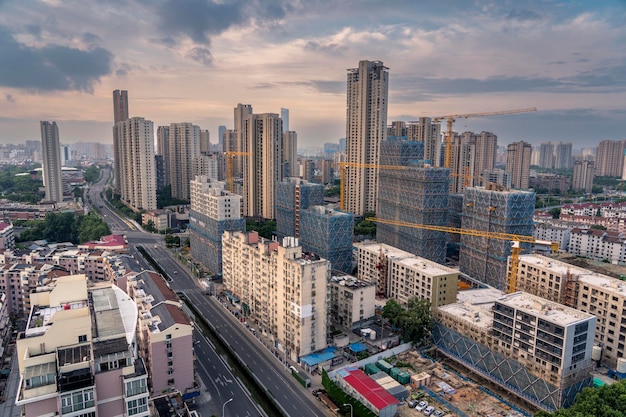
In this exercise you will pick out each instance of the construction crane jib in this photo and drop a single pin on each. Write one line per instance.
(515, 241)
(342, 176)
(452, 117)
(229, 166)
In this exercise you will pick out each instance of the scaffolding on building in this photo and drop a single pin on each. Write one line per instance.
(292, 196)
(330, 234)
(415, 195)
(508, 372)
(205, 238)
(501, 211)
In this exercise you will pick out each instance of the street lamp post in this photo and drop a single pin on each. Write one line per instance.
(224, 406)
(349, 405)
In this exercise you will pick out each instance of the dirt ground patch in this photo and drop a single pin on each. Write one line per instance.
(449, 389)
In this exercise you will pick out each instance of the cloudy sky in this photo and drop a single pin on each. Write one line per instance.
(194, 60)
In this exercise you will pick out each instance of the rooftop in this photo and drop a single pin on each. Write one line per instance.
(367, 387)
(540, 307)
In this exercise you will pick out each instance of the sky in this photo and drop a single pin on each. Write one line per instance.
(194, 60)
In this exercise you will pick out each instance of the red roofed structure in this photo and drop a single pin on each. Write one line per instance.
(111, 242)
(360, 386)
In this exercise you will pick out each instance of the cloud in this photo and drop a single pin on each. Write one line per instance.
(523, 15)
(53, 67)
(90, 38)
(201, 55)
(199, 19)
(320, 86)
(9, 98)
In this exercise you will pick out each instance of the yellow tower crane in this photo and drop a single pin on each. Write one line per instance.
(515, 239)
(229, 166)
(342, 176)
(452, 117)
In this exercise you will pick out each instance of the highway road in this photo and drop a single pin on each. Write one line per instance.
(290, 396)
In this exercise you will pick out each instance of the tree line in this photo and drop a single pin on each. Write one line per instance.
(65, 227)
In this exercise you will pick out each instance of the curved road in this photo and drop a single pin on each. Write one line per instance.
(291, 397)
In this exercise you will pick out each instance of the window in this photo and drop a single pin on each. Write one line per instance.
(77, 401)
(82, 338)
(137, 406)
(136, 387)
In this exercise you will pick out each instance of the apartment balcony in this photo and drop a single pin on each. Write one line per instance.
(80, 378)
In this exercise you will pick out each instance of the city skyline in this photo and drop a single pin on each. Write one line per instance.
(193, 61)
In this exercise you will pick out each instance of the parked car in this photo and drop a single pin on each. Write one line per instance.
(438, 413)
(412, 403)
(429, 410)
(421, 406)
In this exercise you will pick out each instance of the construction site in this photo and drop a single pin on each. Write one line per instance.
(447, 390)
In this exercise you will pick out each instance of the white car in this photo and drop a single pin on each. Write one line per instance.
(421, 406)
(429, 410)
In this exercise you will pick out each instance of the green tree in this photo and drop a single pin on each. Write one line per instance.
(597, 227)
(414, 321)
(606, 401)
(92, 174)
(165, 199)
(265, 228)
(555, 212)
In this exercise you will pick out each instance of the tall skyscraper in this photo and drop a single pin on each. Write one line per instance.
(205, 141)
(120, 114)
(563, 156)
(518, 163)
(429, 133)
(582, 178)
(51, 155)
(163, 149)
(366, 128)
(263, 166)
(137, 163)
(241, 112)
(471, 155)
(610, 158)
(546, 155)
(284, 114)
(290, 146)
(294, 195)
(184, 149)
(220, 137)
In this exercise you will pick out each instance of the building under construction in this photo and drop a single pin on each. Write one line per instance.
(418, 195)
(536, 349)
(292, 196)
(329, 234)
(493, 209)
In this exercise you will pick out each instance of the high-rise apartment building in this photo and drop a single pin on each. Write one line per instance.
(207, 165)
(220, 137)
(294, 195)
(120, 114)
(263, 167)
(471, 155)
(137, 165)
(493, 209)
(163, 149)
(51, 156)
(184, 141)
(284, 114)
(366, 128)
(610, 158)
(424, 130)
(582, 178)
(563, 156)
(546, 155)
(241, 113)
(213, 210)
(284, 287)
(205, 141)
(518, 163)
(290, 145)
